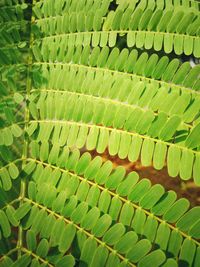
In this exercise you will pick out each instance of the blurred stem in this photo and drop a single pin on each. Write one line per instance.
(25, 146)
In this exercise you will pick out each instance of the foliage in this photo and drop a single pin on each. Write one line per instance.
(81, 78)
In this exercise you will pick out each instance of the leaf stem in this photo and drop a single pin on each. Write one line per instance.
(113, 194)
(25, 147)
(80, 229)
(118, 130)
(160, 82)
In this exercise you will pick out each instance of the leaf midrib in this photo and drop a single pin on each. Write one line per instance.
(79, 228)
(168, 144)
(116, 32)
(148, 213)
(117, 102)
(160, 82)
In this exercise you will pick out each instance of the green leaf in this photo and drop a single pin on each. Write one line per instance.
(152, 196)
(29, 167)
(108, 21)
(13, 171)
(139, 190)
(37, 53)
(104, 172)
(176, 210)
(7, 136)
(170, 263)
(162, 64)
(16, 130)
(150, 228)
(31, 240)
(145, 122)
(134, 149)
(170, 70)
(66, 238)
(192, 140)
(79, 212)
(24, 261)
(196, 47)
(131, 39)
(82, 191)
(9, 114)
(83, 163)
(57, 228)
(114, 142)
(97, 20)
(43, 248)
(115, 178)
(129, 65)
(6, 262)
(173, 160)
(135, 18)
(175, 243)
(186, 164)
(145, 18)
(197, 257)
(102, 225)
(104, 201)
(114, 234)
(157, 15)
(125, 187)
(79, 242)
(126, 214)
(37, 11)
(192, 76)
(22, 210)
(181, 73)
(147, 152)
(187, 246)
(59, 202)
(139, 250)
(44, 151)
(92, 138)
(93, 168)
(10, 212)
(164, 203)
(93, 196)
(32, 127)
(155, 258)
(88, 251)
(196, 167)
(194, 231)
(114, 53)
(115, 207)
(123, 245)
(181, 104)
(139, 221)
(104, 54)
(117, 19)
(152, 61)
(67, 260)
(5, 179)
(120, 62)
(5, 225)
(63, 157)
(100, 257)
(159, 155)
(170, 128)
(162, 235)
(189, 219)
(90, 218)
(54, 153)
(113, 260)
(3, 89)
